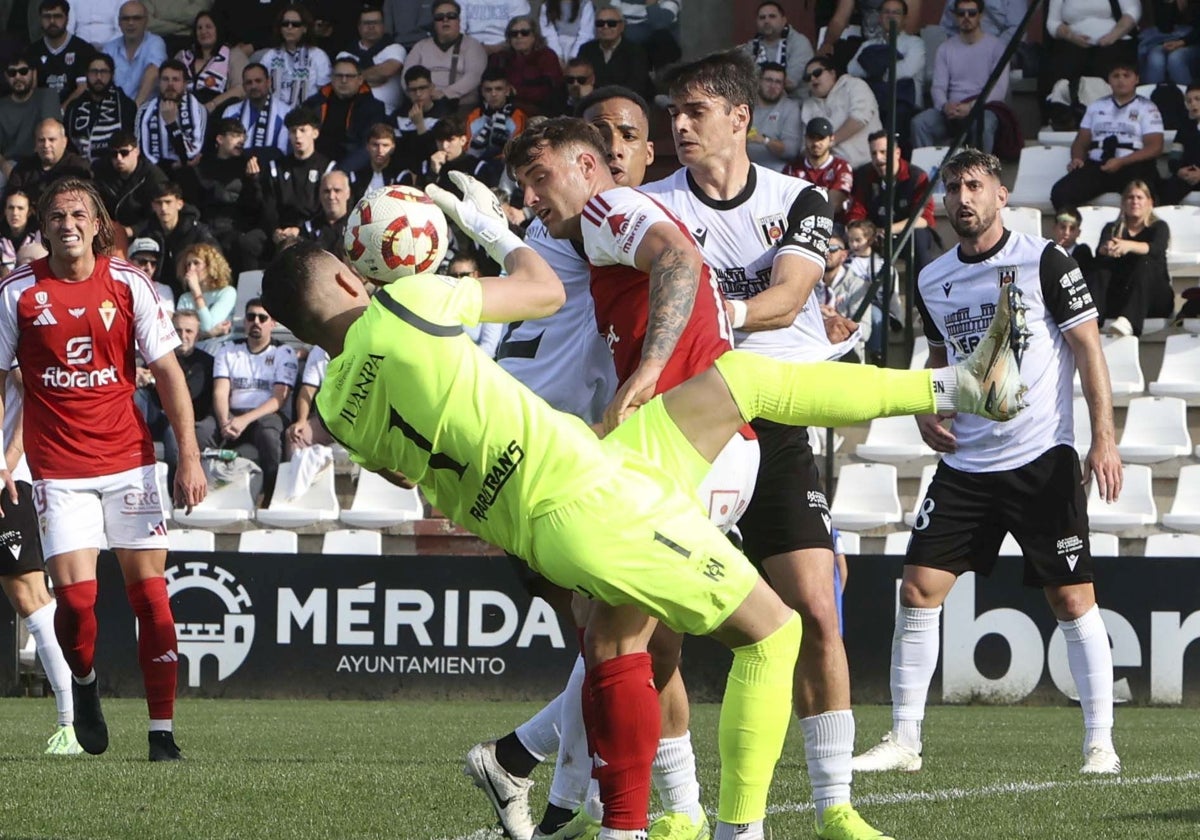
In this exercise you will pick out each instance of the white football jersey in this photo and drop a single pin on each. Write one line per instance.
(1123, 127)
(253, 376)
(315, 365)
(957, 297)
(740, 238)
(562, 358)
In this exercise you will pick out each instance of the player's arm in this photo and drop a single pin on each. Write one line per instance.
(936, 436)
(300, 432)
(1103, 459)
(191, 485)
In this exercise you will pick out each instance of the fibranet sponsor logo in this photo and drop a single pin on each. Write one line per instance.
(56, 377)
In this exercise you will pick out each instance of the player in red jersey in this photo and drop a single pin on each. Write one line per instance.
(73, 321)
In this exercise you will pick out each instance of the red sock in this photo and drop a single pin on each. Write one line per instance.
(157, 653)
(75, 625)
(623, 727)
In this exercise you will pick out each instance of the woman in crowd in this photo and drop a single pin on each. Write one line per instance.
(18, 228)
(1085, 40)
(207, 276)
(1129, 279)
(298, 68)
(567, 25)
(847, 103)
(532, 68)
(214, 67)
(1169, 51)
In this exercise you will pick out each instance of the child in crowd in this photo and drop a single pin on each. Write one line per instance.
(1186, 171)
(1067, 223)
(865, 265)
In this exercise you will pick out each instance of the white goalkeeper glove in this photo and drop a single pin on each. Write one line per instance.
(477, 214)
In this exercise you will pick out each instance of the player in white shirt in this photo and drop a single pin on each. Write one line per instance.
(738, 212)
(1022, 477)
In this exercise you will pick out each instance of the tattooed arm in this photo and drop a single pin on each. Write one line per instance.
(674, 267)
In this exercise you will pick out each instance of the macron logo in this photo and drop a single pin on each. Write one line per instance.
(45, 319)
(1072, 560)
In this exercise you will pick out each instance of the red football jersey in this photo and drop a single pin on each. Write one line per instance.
(614, 224)
(75, 343)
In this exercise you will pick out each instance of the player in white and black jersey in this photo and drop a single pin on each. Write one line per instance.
(765, 234)
(1022, 477)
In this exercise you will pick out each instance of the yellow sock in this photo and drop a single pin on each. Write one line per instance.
(754, 721)
(822, 394)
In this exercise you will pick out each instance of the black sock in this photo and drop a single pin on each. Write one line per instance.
(513, 757)
(554, 819)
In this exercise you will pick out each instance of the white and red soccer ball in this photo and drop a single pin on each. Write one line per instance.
(395, 232)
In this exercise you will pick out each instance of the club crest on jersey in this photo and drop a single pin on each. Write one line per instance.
(1008, 274)
(42, 299)
(771, 227)
(108, 311)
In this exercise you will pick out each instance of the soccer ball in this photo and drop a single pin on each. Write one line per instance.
(395, 232)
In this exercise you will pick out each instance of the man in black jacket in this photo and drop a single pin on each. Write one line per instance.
(100, 113)
(328, 228)
(1185, 172)
(217, 188)
(384, 167)
(49, 162)
(128, 182)
(174, 226)
(347, 109)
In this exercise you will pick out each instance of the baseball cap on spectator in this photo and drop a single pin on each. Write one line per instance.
(144, 245)
(818, 127)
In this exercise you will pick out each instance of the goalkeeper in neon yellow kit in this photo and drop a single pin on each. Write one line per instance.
(614, 519)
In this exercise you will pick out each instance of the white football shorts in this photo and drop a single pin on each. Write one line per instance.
(124, 510)
(727, 488)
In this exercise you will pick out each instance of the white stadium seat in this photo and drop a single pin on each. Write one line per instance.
(929, 158)
(893, 440)
(1104, 545)
(896, 542)
(1122, 352)
(1022, 219)
(1049, 137)
(225, 505)
(851, 542)
(1184, 251)
(927, 472)
(1040, 167)
(1134, 508)
(380, 504)
(1185, 508)
(1172, 545)
(191, 539)
(268, 541)
(1155, 430)
(318, 504)
(866, 497)
(352, 541)
(1083, 426)
(1009, 547)
(1092, 223)
(1180, 373)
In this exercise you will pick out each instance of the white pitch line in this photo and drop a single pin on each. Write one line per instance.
(947, 795)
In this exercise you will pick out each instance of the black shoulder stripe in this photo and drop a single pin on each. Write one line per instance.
(414, 320)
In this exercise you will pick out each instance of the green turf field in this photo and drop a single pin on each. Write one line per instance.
(313, 769)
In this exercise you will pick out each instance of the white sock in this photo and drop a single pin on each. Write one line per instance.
(915, 646)
(573, 766)
(40, 624)
(161, 725)
(1090, 659)
(828, 748)
(622, 834)
(539, 734)
(88, 680)
(743, 831)
(945, 389)
(674, 775)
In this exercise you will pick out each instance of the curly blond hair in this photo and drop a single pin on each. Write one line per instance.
(216, 266)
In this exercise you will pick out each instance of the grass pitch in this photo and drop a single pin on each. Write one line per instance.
(317, 769)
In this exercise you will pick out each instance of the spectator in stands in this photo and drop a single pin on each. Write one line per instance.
(18, 227)
(1169, 51)
(580, 78)
(261, 113)
(25, 107)
(452, 139)
(847, 103)
(207, 278)
(170, 127)
(865, 13)
(407, 22)
(307, 429)
(870, 198)
(835, 291)
(486, 336)
(487, 20)
(252, 378)
(1067, 222)
(61, 58)
(50, 161)
(128, 182)
(297, 67)
(494, 123)
(1119, 140)
(865, 267)
(137, 54)
(532, 69)
(286, 191)
(214, 67)
(455, 61)
(198, 373)
(145, 253)
(384, 168)
(174, 226)
(774, 135)
(328, 228)
(1000, 18)
(654, 25)
(1129, 280)
(255, 25)
(872, 61)
(381, 60)
(1087, 39)
(822, 167)
(961, 69)
(567, 25)
(348, 109)
(217, 185)
(92, 119)
(96, 21)
(1185, 171)
(776, 42)
(414, 143)
(615, 59)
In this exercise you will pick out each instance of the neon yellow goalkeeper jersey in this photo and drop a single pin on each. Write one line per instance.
(411, 392)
